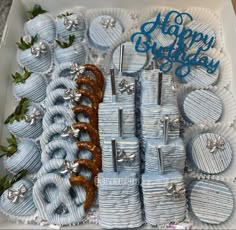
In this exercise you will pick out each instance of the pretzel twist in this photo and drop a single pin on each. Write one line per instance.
(97, 72)
(83, 80)
(89, 187)
(89, 112)
(93, 133)
(93, 149)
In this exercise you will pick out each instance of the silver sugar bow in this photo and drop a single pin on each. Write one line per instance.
(175, 191)
(69, 131)
(134, 17)
(126, 86)
(71, 23)
(31, 118)
(15, 195)
(214, 145)
(174, 86)
(71, 95)
(173, 124)
(108, 22)
(76, 69)
(69, 167)
(122, 157)
(38, 51)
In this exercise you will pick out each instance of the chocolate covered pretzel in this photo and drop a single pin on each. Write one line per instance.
(93, 149)
(83, 80)
(88, 187)
(97, 73)
(89, 112)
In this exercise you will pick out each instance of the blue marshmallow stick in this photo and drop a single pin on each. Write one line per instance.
(108, 116)
(164, 195)
(173, 151)
(152, 116)
(128, 154)
(124, 86)
(119, 198)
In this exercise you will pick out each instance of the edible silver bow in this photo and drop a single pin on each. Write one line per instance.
(175, 191)
(15, 195)
(35, 115)
(37, 51)
(71, 95)
(214, 145)
(69, 131)
(76, 69)
(134, 17)
(126, 86)
(174, 86)
(108, 22)
(69, 167)
(124, 158)
(173, 124)
(71, 23)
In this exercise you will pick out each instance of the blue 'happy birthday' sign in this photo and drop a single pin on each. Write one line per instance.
(176, 53)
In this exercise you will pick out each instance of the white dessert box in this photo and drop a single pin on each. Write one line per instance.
(14, 29)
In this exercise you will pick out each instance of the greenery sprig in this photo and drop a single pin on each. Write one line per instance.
(68, 44)
(11, 148)
(6, 182)
(35, 11)
(19, 113)
(64, 15)
(21, 78)
(22, 45)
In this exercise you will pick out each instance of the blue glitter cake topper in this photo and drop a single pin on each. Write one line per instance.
(175, 55)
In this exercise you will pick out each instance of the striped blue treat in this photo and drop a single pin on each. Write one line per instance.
(150, 88)
(77, 193)
(75, 53)
(64, 70)
(104, 31)
(23, 129)
(26, 157)
(58, 114)
(41, 64)
(108, 117)
(151, 120)
(56, 97)
(199, 76)
(62, 209)
(43, 25)
(119, 200)
(25, 206)
(132, 61)
(68, 25)
(200, 27)
(55, 131)
(61, 83)
(56, 166)
(173, 155)
(60, 149)
(125, 89)
(205, 156)
(164, 198)
(210, 201)
(128, 155)
(34, 88)
(202, 106)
